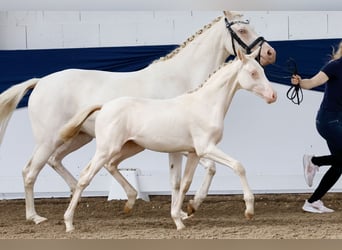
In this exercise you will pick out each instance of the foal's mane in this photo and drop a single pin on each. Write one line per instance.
(210, 75)
(189, 40)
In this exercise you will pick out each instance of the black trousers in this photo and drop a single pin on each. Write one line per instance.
(329, 126)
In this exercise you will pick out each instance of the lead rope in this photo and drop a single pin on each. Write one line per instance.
(295, 93)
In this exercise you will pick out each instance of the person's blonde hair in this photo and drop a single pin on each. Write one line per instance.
(338, 53)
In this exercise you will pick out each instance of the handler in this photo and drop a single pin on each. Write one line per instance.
(329, 126)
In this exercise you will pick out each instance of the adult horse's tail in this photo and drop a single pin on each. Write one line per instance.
(74, 125)
(9, 100)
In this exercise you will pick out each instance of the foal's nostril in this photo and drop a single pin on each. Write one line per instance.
(274, 96)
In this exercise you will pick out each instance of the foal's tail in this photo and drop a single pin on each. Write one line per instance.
(9, 100)
(74, 125)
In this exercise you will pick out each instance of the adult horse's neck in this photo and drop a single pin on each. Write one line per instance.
(199, 56)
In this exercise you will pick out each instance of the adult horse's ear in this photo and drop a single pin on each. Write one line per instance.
(255, 53)
(230, 15)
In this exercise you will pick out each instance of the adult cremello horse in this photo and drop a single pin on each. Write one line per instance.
(192, 123)
(58, 96)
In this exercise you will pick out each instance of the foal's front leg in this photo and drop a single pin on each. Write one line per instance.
(217, 155)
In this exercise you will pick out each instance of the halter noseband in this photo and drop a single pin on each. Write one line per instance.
(260, 40)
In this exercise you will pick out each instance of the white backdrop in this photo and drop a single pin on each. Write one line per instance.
(268, 139)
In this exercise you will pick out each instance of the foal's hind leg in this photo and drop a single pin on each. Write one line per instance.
(189, 171)
(202, 192)
(128, 150)
(55, 161)
(87, 174)
(175, 164)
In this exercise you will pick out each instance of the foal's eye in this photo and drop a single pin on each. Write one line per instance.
(254, 74)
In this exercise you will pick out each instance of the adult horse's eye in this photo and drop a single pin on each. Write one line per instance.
(242, 31)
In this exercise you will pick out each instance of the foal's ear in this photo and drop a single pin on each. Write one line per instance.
(241, 55)
(255, 53)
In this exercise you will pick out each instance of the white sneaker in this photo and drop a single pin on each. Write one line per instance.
(307, 207)
(316, 207)
(310, 169)
(320, 206)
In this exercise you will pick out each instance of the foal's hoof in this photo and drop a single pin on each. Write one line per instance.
(69, 228)
(127, 210)
(180, 227)
(185, 216)
(249, 216)
(191, 209)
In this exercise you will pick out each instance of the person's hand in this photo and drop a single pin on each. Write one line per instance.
(296, 79)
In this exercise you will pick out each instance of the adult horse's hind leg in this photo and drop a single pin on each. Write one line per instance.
(30, 173)
(202, 192)
(55, 161)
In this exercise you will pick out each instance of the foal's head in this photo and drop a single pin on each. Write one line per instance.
(252, 77)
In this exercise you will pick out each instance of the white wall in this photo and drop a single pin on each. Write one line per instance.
(68, 29)
(268, 139)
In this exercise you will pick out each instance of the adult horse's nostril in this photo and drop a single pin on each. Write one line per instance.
(268, 54)
(271, 52)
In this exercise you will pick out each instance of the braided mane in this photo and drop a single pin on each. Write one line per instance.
(189, 40)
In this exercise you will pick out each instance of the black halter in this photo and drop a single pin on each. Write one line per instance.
(260, 40)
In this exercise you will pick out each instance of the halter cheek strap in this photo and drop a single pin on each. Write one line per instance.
(248, 48)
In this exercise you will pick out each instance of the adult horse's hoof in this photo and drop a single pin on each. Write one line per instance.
(37, 219)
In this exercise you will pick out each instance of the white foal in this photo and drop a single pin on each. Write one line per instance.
(59, 96)
(192, 123)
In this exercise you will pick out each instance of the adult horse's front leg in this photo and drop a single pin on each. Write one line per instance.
(176, 211)
(217, 155)
(202, 192)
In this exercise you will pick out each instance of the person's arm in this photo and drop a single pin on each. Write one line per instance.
(317, 80)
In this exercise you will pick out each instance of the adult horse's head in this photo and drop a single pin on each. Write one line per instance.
(244, 36)
(252, 77)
